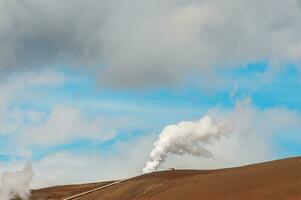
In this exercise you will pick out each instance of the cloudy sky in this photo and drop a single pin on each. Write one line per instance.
(86, 86)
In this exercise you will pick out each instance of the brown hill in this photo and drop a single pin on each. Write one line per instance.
(273, 180)
(60, 192)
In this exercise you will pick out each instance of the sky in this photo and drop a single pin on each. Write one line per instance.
(87, 86)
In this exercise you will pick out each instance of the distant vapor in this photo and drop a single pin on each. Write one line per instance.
(186, 137)
(16, 184)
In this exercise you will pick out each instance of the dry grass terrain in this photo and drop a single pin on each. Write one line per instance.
(272, 180)
(60, 192)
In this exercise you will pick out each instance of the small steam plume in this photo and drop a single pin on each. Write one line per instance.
(190, 137)
(16, 184)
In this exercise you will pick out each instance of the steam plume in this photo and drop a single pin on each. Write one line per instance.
(16, 184)
(190, 137)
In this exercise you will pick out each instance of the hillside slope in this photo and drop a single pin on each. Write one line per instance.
(272, 180)
(60, 192)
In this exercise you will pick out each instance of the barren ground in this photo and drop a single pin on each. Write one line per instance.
(272, 180)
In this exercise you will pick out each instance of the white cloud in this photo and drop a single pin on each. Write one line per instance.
(172, 41)
(16, 88)
(145, 44)
(251, 139)
(16, 184)
(126, 162)
(14, 85)
(25, 126)
(67, 123)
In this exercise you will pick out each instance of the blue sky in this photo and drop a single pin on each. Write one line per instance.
(155, 108)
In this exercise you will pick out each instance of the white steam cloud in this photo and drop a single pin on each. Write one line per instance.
(247, 125)
(186, 137)
(16, 184)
